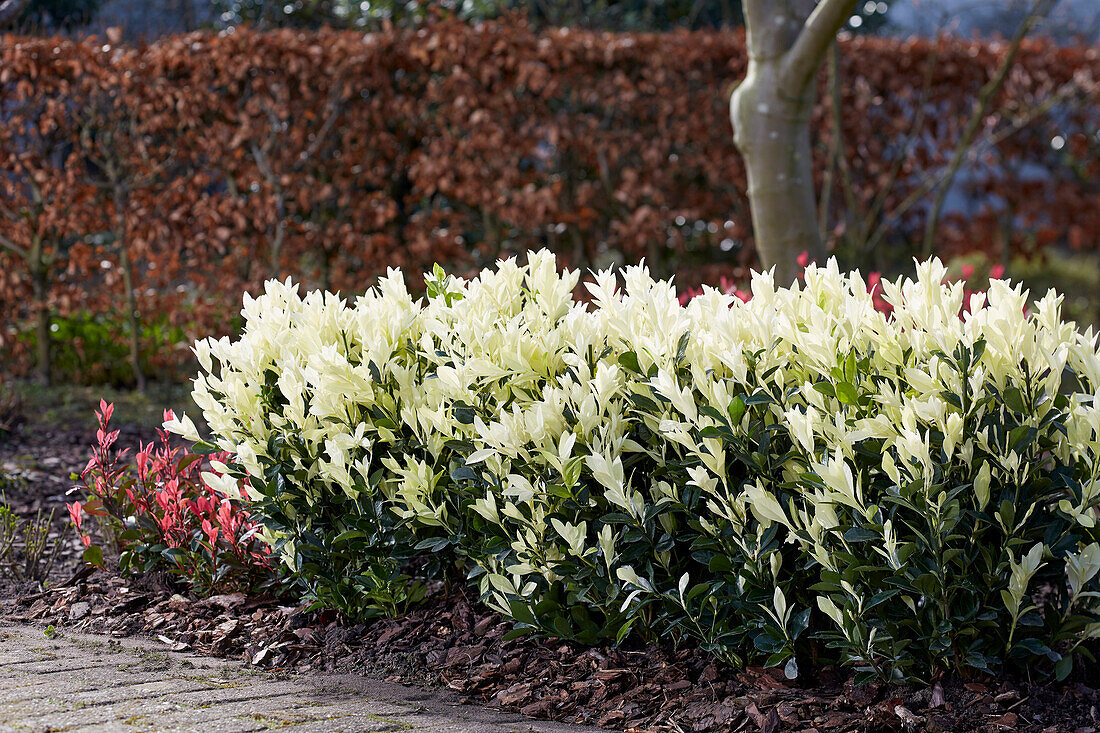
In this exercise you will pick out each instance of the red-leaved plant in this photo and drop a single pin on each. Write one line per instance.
(159, 513)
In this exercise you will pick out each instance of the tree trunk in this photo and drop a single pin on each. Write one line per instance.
(276, 253)
(772, 131)
(131, 318)
(40, 290)
(128, 284)
(786, 41)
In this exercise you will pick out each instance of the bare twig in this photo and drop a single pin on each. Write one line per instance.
(9, 532)
(334, 107)
(14, 248)
(841, 161)
(981, 106)
(883, 194)
(817, 34)
(10, 10)
(261, 155)
(936, 178)
(825, 202)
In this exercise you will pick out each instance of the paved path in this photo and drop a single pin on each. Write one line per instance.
(77, 682)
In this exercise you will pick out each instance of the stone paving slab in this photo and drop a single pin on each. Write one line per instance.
(93, 684)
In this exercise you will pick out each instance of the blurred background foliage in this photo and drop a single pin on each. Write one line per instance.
(612, 15)
(147, 19)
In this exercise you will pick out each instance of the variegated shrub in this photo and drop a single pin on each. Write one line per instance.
(794, 474)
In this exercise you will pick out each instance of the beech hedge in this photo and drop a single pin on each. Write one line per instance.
(161, 181)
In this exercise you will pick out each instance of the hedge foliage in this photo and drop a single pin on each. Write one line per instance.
(186, 171)
(794, 477)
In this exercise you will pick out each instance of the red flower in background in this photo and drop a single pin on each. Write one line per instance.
(874, 287)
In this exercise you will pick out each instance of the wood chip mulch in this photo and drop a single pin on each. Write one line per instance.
(451, 640)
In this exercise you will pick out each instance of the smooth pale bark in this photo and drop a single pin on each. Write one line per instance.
(772, 132)
(770, 111)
